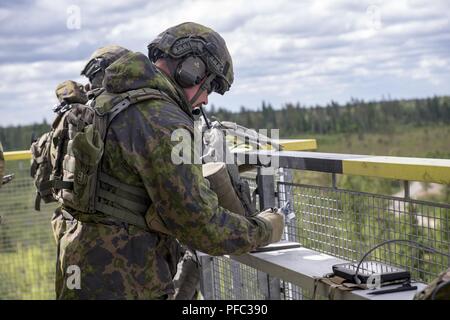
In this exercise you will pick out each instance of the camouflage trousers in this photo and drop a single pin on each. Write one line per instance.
(99, 261)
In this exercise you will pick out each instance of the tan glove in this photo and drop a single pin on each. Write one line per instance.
(276, 220)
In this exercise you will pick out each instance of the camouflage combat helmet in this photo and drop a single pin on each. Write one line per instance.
(192, 39)
(71, 92)
(99, 61)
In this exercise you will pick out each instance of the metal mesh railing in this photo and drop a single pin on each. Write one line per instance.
(236, 281)
(233, 280)
(346, 224)
(291, 291)
(338, 222)
(27, 247)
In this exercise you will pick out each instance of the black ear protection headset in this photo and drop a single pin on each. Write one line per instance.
(190, 72)
(198, 61)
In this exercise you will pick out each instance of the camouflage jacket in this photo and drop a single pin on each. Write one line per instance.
(119, 261)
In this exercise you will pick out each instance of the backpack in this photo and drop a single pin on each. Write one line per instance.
(66, 161)
(43, 150)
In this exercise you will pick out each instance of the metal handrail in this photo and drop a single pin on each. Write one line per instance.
(398, 168)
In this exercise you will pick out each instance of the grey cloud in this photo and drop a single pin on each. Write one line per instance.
(311, 51)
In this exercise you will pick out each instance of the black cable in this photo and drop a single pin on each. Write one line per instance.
(205, 117)
(415, 243)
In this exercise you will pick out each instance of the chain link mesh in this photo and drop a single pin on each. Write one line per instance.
(27, 247)
(341, 223)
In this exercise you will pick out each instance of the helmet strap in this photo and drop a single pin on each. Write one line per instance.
(203, 87)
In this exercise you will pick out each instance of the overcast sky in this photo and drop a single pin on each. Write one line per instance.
(306, 51)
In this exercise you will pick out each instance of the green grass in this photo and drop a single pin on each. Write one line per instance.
(27, 250)
(27, 273)
(404, 141)
(27, 247)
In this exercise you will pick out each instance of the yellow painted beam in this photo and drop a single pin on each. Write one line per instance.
(399, 168)
(286, 144)
(17, 155)
(298, 144)
(411, 169)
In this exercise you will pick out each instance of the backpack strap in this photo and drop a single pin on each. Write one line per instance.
(40, 150)
(126, 203)
(123, 202)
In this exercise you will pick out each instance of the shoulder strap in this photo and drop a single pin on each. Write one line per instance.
(132, 201)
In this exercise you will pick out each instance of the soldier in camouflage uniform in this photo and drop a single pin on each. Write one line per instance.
(94, 70)
(3, 179)
(119, 260)
(2, 165)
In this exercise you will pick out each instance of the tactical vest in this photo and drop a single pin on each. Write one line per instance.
(67, 162)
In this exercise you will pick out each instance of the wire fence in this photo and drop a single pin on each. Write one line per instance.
(346, 224)
(338, 222)
(27, 247)
(233, 280)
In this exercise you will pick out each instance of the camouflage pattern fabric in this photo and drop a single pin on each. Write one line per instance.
(120, 261)
(66, 92)
(71, 92)
(439, 287)
(110, 53)
(99, 61)
(217, 47)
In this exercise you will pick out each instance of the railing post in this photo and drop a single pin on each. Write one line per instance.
(406, 187)
(274, 288)
(266, 188)
(237, 279)
(270, 286)
(207, 277)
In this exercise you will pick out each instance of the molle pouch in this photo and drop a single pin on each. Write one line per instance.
(41, 169)
(84, 152)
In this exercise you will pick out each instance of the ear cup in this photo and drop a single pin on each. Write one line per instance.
(190, 72)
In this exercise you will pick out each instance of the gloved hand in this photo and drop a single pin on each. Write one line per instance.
(276, 220)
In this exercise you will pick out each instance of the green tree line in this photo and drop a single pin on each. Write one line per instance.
(20, 137)
(356, 116)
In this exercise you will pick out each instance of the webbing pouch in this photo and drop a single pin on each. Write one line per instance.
(84, 152)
